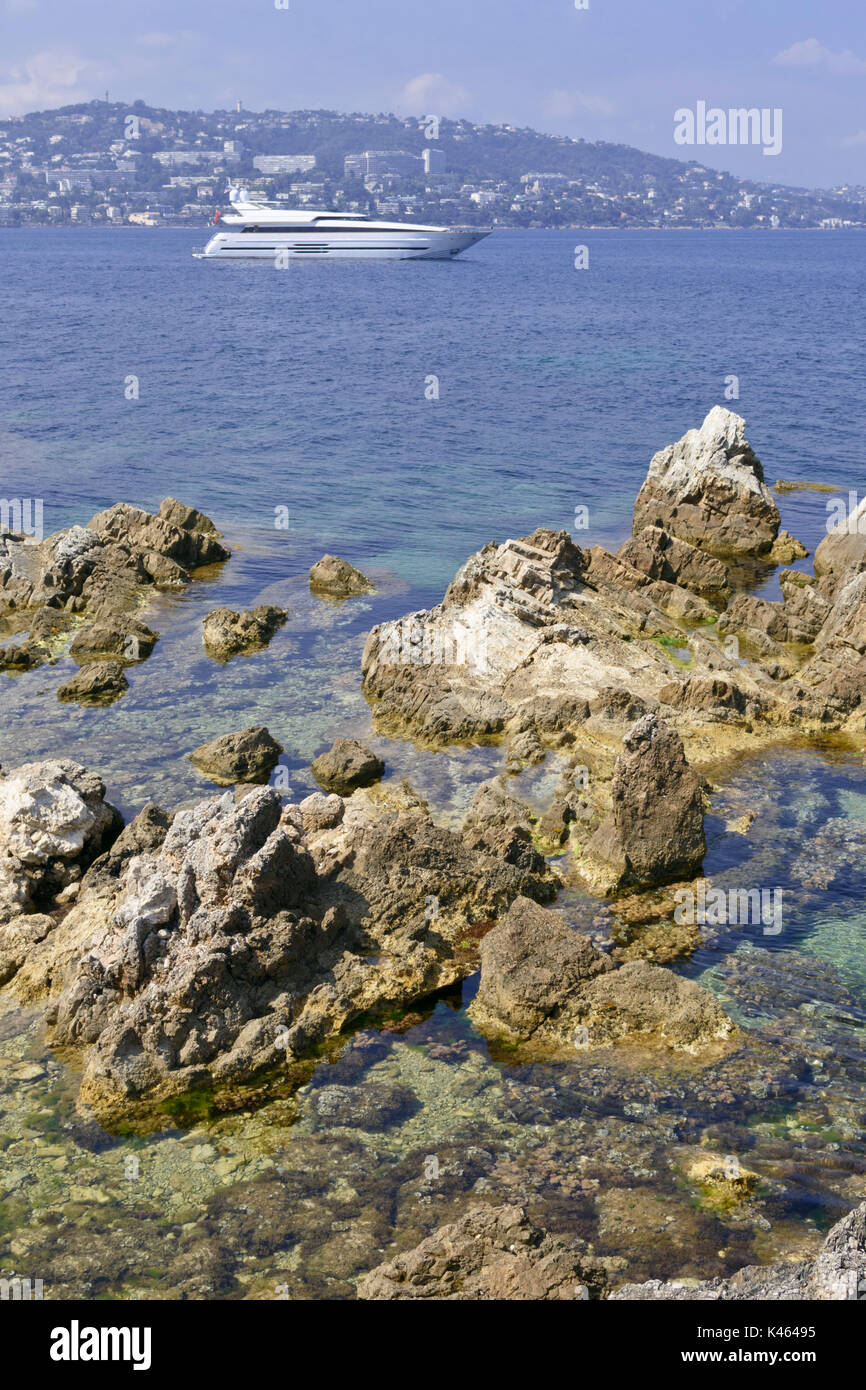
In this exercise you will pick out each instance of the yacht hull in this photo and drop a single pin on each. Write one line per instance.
(402, 245)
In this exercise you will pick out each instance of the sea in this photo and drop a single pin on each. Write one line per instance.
(403, 415)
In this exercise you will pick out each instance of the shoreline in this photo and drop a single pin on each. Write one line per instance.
(114, 931)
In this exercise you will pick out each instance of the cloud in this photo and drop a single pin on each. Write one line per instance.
(432, 94)
(20, 6)
(809, 53)
(50, 78)
(858, 139)
(562, 103)
(164, 40)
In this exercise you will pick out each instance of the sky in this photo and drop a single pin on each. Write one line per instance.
(614, 70)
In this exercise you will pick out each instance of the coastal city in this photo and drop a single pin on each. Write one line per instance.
(106, 163)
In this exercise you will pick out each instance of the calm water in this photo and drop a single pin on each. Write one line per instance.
(305, 388)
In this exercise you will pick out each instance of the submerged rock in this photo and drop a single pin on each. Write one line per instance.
(226, 632)
(709, 489)
(247, 756)
(490, 1253)
(837, 1273)
(346, 765)
(99, 683)
(655, 832)
(338, 578)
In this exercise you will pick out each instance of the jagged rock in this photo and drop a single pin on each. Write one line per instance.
(490, 1253)
(661, 556)
(655, 832)
(546, 985)
(99, 683)
(786, 548)
(54, 820)
(236, 939)
(225, 632)
(118, 639)
(532, 966)
(144, 834)
(321, 812)
(713, 697)
(837, 1273)
(806, 608)
(842, 552)
(190, 544)
(709, 489)
(346, 765)
(247, 756)
(755, 615)
(338, 578)
(837, 669)
(541, 644)
(500, 824)
(101, 572)
(186, 518)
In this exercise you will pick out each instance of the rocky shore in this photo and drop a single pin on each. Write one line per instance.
(541, 644)
(242, 937)
(88, 583)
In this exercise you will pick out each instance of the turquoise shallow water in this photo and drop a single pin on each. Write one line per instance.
(305, 388)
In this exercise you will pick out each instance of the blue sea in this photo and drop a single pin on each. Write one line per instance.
(403, 415)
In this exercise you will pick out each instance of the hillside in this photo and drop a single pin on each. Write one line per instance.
(113, 162)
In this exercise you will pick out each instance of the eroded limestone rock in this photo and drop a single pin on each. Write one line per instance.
(226, 633)
(709, 489)
(250, 755)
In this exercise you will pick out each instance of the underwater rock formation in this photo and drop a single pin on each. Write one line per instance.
(837, 1273)
(490, 1253)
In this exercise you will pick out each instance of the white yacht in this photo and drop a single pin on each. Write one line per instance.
(265, 231)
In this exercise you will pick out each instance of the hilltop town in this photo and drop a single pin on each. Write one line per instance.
(112, 164)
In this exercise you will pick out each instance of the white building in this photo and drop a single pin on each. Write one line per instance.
(284, 163)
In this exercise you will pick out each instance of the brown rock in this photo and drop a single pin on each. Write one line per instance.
(346, 765)
(655, 833)
(98, 683)
(338, 578)
(709, 490)
(226, 632)
(247, 756)
(491, 1253)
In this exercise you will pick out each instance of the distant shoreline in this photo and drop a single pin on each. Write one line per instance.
(172, 227)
